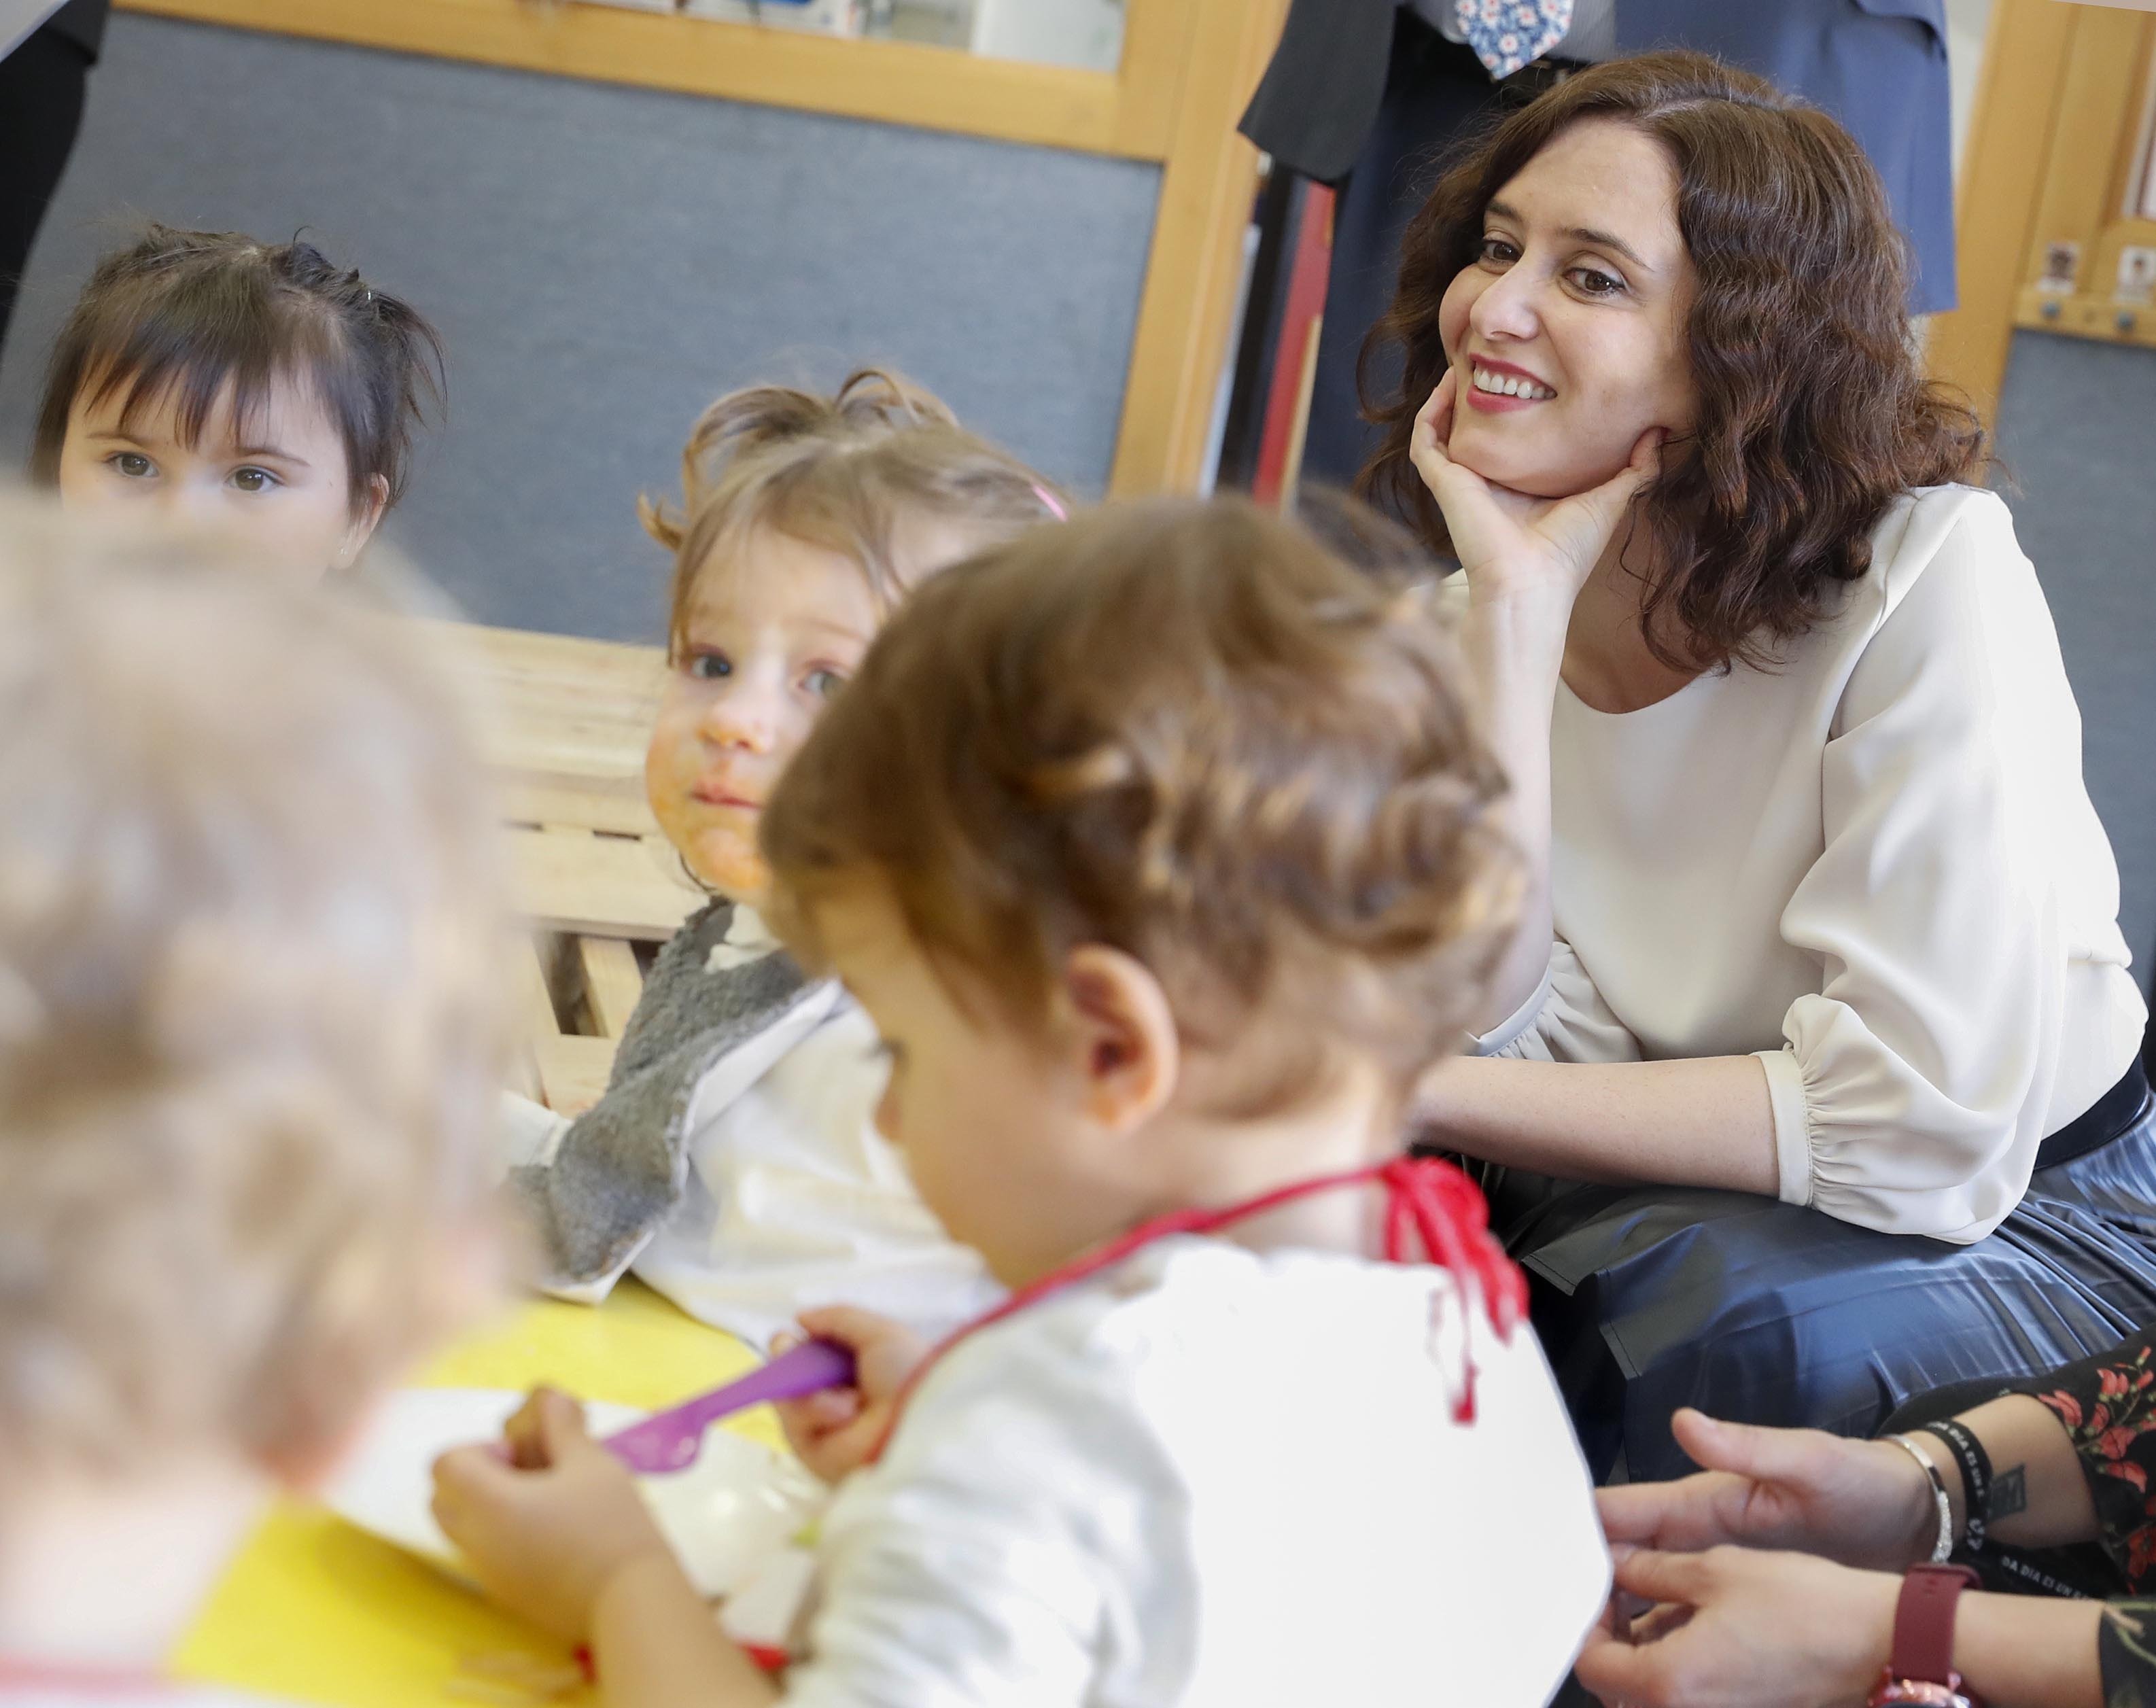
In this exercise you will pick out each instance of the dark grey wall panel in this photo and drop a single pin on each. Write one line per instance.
(604, 261)
(2078, 427)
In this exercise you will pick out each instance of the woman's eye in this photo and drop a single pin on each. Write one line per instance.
(710, 667)
(1592, 281)
(131, 463)
(823, 684)
(255, 479)
(1498, 250)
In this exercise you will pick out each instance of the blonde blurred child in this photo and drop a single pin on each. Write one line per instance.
(1160, 850)
(733, 1162)
(249, 955)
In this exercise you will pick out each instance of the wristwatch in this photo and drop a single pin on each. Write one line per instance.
(1921, 1668)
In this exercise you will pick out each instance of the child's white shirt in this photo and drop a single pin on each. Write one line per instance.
(793, 1199)
(1217, 1479)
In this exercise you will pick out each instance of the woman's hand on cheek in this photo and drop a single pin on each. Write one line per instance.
(1734, 1629)
(1511, 545)
(547, 1525)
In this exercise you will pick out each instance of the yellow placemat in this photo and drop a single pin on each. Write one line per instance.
(318, 1612)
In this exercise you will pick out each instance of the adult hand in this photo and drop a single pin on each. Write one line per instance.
(546, 1527)
(1745, 1629)
(834, 1432)
(1508, 543)
(1863, 1503)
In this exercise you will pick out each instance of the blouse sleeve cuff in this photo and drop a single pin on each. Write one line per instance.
(1519, 1021)
(1793, 1143)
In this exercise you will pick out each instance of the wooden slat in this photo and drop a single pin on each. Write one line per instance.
(532, 998)
(590, 804)
(558, 711)
(1156, 35)
(1195, 267)
(901, 83)
(568, 880)
(572, 1072)
(2001, 179)
(2133, 133)
(2098, 98)
(612, 982)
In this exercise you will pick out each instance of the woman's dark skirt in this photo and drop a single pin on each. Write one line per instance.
(1758, 1312)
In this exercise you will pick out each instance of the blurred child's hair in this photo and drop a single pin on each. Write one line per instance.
(851, 473)
(1189, 731)
(250, 1033)
(186, 314)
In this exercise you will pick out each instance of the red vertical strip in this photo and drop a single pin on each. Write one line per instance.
(1300, 321)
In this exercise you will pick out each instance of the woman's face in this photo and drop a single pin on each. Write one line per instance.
(1568, 332)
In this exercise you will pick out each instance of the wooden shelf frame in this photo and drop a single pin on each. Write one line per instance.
(1189, 68)
(901, 83)
(2060, 109)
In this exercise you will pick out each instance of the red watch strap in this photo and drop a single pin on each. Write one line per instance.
(1924, 1623)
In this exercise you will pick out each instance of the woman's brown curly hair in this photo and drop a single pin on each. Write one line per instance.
(1814, 409)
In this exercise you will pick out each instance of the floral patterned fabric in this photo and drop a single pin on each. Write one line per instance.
(2108, 1406)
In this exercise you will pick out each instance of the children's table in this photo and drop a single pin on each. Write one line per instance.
(317, 1612)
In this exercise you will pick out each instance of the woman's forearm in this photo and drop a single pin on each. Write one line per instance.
(1708, 1121)
(2039, 1496)
(2025, 1651)
(1515, 649)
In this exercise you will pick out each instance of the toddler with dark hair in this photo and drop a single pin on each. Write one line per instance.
(255, 387)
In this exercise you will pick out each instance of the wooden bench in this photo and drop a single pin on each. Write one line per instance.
(564, 725)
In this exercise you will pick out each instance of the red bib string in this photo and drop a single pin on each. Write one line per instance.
(1434, 1214)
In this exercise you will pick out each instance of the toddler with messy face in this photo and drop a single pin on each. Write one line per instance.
(733, 1162)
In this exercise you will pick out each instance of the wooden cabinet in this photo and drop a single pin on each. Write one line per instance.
(2055, 192)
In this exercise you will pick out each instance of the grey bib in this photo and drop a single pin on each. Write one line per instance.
(623, 1166)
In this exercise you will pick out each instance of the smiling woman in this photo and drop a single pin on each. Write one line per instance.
(1823, 913)
(252, 388)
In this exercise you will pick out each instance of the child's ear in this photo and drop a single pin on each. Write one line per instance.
(1124, 1043)
(363, 524)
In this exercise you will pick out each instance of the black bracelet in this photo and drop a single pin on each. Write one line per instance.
(1975, 1477)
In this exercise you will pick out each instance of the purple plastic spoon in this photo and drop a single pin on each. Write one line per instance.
(671, 1440)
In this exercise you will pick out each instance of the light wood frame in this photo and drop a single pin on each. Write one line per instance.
(2051, 157)
(1188, 68)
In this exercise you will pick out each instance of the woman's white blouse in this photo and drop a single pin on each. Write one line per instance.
(1874, 867)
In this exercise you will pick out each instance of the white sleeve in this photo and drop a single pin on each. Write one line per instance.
(1566, 1020)
(1914, 1087)
(987, 1561)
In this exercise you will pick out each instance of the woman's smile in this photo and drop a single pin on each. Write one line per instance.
(1498, 387)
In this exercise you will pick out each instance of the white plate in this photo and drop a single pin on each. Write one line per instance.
(725, 1516)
